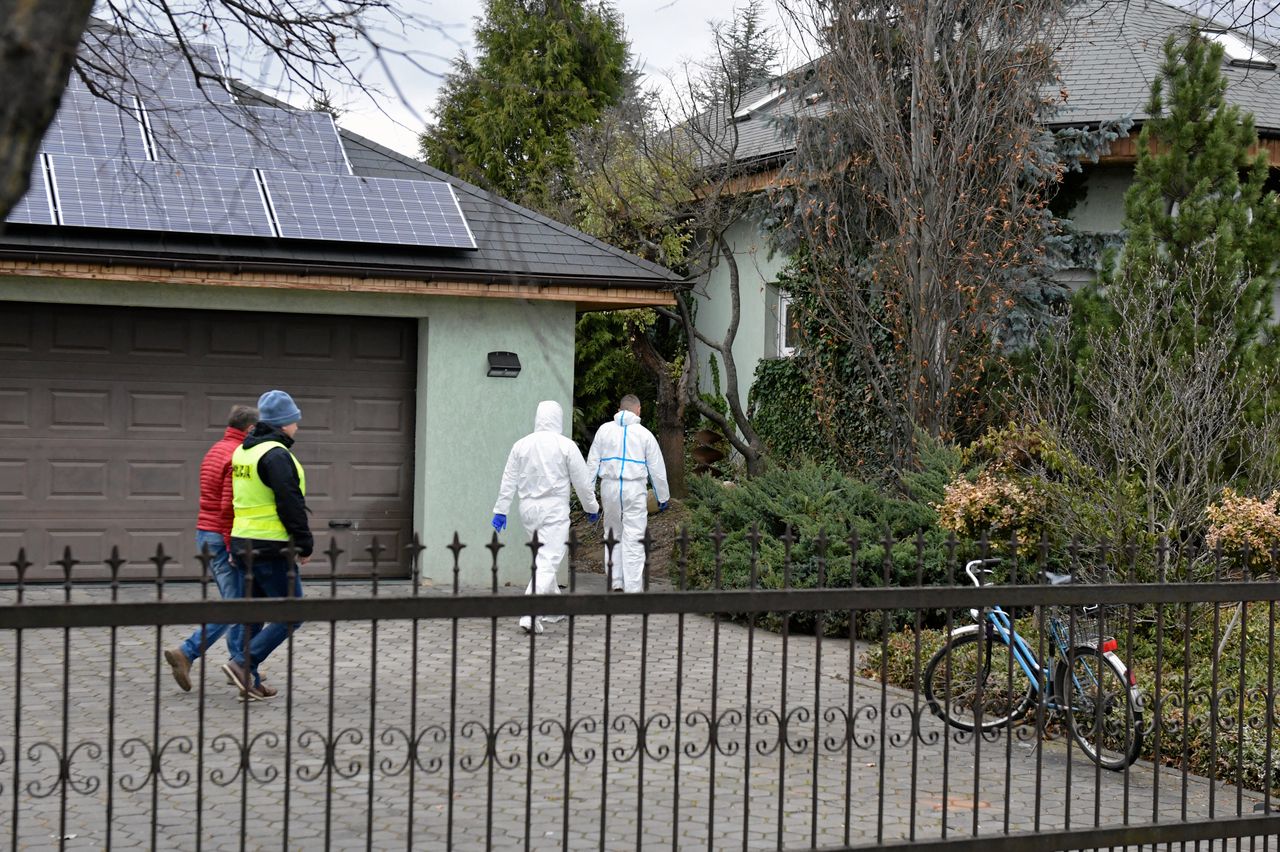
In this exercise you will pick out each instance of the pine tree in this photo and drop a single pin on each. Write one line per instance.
(1199, 190)
(542, 69)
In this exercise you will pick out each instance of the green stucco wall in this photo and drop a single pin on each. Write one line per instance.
(758, 322)
(1100, 211)
(465, 421)
(470, 421)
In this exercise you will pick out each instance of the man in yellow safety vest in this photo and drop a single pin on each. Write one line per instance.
(269, 500)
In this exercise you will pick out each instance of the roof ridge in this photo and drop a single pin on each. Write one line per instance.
(472, 189)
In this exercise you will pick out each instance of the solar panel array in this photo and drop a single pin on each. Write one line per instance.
(163, 152)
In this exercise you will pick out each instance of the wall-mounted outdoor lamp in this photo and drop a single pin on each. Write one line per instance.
(504, 365)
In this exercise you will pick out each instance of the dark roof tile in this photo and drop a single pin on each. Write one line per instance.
(519, 235)
(1109, 56)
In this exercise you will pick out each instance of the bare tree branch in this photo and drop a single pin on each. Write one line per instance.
(918, 195)
(680, 166)
(1177, 423)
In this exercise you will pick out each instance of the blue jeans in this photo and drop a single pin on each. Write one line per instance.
(230, 582)
(270, 580)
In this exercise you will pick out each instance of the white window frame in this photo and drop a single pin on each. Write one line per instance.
(784, 311)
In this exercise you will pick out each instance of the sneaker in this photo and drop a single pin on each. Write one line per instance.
(239, 678)
(553, 619)
(266, 691)
(180, 666)
(528, 625)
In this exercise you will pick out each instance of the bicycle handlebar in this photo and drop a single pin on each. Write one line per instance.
(976, 564)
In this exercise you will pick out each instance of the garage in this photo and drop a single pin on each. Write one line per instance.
(141, 297)
(105, 413)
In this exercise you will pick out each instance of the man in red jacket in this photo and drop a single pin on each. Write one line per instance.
(213, 530)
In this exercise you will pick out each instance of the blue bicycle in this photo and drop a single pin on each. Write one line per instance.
(988, 677)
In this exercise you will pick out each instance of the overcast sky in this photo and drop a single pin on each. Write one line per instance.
(663, 34)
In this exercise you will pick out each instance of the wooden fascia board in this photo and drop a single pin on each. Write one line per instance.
(1125, 151)
(745, 183)
(599, 298)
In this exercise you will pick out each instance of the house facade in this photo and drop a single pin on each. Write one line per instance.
(1108, 59)
(137, 304)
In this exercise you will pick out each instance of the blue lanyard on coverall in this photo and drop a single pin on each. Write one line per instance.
(622, 462)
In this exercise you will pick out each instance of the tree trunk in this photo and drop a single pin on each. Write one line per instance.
(736, 427)
(669, 407)
(38, 41)
(671, 442)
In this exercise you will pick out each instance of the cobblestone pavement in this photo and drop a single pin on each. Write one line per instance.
(761, 759)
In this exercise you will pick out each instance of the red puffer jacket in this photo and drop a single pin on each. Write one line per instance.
(216, 513)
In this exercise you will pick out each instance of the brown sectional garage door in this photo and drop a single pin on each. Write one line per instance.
(105, 414)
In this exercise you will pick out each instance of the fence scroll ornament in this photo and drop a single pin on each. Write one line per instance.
(786, 711)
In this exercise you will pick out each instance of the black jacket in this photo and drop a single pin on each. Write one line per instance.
(277, 472)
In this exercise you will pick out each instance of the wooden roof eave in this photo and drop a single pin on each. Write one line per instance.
(587, 296)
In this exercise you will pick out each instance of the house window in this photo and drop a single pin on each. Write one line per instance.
(788, 328)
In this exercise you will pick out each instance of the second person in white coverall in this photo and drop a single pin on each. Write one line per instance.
(539, 470)
(625, 456)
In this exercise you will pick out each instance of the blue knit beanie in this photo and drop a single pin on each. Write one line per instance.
(276, 408)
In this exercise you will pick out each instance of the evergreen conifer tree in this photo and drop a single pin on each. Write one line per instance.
(542, 69)
(1199, 187)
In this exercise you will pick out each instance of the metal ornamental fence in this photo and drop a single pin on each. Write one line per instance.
(1107, 698)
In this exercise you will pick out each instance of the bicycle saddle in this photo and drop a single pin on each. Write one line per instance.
(1057, 579)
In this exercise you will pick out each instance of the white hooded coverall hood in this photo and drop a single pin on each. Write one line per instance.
(540, 469)
(625, 457)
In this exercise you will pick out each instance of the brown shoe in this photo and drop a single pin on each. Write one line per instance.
(180, 666)
(261, 692)
(239, 677)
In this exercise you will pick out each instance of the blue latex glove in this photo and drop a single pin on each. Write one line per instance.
(592, 517)
(662, 507)
(499, 523)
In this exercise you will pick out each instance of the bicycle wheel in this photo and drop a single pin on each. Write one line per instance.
(974, 681)
(1099, 707)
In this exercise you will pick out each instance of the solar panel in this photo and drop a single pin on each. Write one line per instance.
(152, 69)
(184, 164)
(235, 135)
(89, 126)
(159, 197)
(33, 208)
(372, 210)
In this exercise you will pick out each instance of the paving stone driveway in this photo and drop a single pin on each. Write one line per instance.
(585, 758)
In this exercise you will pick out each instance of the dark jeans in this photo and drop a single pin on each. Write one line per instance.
(230, 580)
(270, 580)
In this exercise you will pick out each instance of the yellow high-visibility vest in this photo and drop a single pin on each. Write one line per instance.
(253, 501)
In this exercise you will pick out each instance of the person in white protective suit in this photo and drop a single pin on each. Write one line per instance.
(539, 469)
(625, 456)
